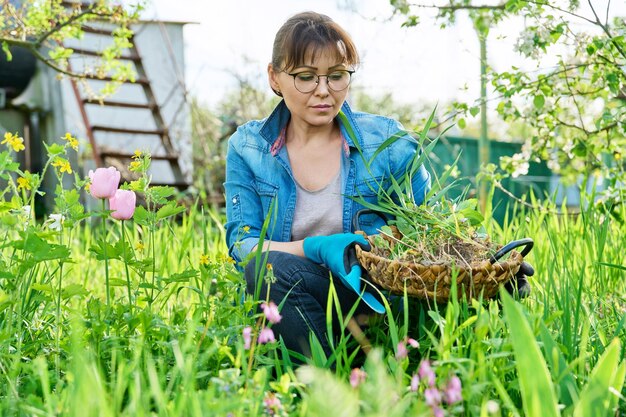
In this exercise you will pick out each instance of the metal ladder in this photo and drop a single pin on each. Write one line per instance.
(103, 156)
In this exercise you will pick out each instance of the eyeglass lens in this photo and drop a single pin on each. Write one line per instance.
(305, 82)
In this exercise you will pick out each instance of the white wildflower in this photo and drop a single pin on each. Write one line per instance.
(492, 407)
(55, 222)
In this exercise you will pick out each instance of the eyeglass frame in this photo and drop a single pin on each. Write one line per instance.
(317, 82)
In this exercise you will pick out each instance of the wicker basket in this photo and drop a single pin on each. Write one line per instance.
(434, 282)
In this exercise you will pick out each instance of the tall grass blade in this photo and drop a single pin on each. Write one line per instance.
(598, 397)
(538, 397)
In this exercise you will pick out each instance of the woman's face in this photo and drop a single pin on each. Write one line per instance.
(319, 106)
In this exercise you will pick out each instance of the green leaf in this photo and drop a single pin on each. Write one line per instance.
(388, 142)
(474, 111)
(117, 282)
(538, 397)
(7, 163)
(610, 265)
(598, 397)
(539, 101)
(142, 216)
(41, 287)
(112, 252)
(55, 149)
(5, 300)
(42, 250)
(168, 210)
(561, 374)
(74, 290)
(160, 194)
(182, 276)
(7, 51)
(461, 123)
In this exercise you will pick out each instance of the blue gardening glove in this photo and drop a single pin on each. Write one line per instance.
(337, 253)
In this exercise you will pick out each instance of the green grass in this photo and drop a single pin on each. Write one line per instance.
(177, 349)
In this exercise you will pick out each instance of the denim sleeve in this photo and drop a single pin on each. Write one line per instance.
(243, 206)
(405, 151)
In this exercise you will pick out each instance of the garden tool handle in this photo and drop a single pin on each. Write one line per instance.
(352, 258)
(358, 214)
(528, 244)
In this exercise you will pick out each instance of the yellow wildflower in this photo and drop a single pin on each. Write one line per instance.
(269, 267)
(72, 141)
(204, 259)
(139, 246)
(135, 165)
(14, 141)
(63, 165)
(24, 184)
(246, 229)
(137, 154)
(226, 259)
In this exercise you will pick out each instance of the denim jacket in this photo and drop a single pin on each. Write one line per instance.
(258, 171)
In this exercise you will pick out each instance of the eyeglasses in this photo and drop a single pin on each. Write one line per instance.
(307, 81)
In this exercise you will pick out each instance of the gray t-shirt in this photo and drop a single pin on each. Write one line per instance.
(318, 213)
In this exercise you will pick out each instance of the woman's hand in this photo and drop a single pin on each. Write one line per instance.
(337, 253)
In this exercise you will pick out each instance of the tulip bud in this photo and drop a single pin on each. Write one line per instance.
(123, 204)
(104, 182)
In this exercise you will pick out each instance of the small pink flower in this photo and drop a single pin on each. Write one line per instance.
(247, 337)
(123, 204)
(357, 376)
(415, 382)
(104, 182)
(452, 393)
(401, 350)
(438, 412)
(426, 373)
(266, 335)
(432, 396)
(272, 404)
(271, 312)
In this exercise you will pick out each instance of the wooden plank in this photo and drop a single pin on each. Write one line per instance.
(126, 130)
(112, 103)
(122, 155)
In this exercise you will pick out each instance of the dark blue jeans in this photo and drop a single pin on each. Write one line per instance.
(304, 287)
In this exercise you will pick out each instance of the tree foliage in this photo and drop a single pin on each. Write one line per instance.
(574, 103)
(44, 27)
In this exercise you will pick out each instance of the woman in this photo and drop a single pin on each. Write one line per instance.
(300, 169)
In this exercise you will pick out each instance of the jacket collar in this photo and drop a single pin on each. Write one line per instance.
(274, 124)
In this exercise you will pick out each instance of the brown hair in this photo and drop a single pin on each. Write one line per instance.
(310, 32)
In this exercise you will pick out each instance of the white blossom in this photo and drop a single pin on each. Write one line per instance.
(55, 222)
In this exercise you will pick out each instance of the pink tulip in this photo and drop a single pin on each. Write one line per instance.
(104, 182)
(123, 204)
